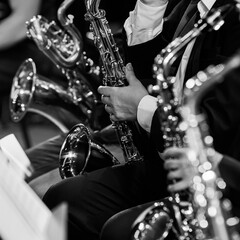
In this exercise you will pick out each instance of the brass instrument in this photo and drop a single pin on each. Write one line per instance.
(113, 73)
(64, 46)
(175, 215)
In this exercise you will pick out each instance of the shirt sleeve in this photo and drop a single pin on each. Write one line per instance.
(144, 22)
(145, 112)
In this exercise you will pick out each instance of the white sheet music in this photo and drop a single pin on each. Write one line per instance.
(23, 215)
(16, 156)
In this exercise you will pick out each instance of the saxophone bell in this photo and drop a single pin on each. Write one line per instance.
(79, 153)
(154, 223)
(31, 92)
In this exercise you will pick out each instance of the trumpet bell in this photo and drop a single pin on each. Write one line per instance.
(79, 153)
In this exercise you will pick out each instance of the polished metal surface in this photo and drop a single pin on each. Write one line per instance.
(113, 72)
(33, 93)
(79, 153)
(186, 223)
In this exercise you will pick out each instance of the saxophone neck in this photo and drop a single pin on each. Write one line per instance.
(197, 86)
(211, 21)
(194, 120)
(61, 13)
(96, 16)
(74, 35)
(92, 7)
(112, 62)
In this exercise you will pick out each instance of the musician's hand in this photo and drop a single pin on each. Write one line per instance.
(153, 3)
(122, 102)
(180, 170)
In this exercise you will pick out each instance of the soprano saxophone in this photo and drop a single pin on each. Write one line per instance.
(174, 216)
(112, 70)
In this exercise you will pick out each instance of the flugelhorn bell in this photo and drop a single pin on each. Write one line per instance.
(79, 153)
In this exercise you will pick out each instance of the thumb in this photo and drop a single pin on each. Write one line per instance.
(130, 75)
(104, 90)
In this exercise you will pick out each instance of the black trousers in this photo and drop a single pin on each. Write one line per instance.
(152, 220)
(155, 218)
(121, 225)
(94, 197)
(44, 156)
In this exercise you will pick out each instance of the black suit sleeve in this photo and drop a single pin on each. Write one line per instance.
(156, 132)
(221, 106)
(230, 171)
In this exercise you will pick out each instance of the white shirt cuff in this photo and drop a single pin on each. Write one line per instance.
(144, 22)
(146, 108)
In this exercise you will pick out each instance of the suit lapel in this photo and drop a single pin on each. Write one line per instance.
(195, 56)
(188, 19)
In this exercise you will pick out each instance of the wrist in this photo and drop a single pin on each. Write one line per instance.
(146, 109)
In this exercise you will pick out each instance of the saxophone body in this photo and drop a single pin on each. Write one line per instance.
(212, 211)
(175, 215)
(63, 45)
(113, 74)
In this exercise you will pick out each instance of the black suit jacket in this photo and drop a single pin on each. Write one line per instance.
(210, 48)
(221, 104)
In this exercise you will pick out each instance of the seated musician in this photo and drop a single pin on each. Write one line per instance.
(105, 192)
(180, 170)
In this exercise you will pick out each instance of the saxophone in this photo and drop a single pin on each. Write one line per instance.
(113, 73)
(31, 92)
(175, 214)
(213, 212)
(63, 45)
